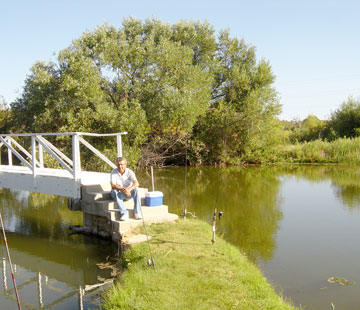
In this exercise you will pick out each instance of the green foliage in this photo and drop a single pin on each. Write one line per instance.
(5, 115)
(345, 121)
(310, 129)
(169, 86)
(240, 123)
(317, 141)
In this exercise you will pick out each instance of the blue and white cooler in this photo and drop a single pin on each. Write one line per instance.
(153, 199)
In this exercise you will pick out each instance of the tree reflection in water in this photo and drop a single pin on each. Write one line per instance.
(41, 248)
(248, 196)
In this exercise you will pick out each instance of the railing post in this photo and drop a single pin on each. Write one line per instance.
(41, 158)
(8, 140)
(40, 295)
(81, 298)
(118, 145)
(76, 156)
(33, 155)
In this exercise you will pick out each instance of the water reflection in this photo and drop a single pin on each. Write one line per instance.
(58, 266)
(345, 179)
(35, 213)
(39, 291)
(300, 224)
(247, 196)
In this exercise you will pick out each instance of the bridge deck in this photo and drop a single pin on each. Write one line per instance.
(50, 181)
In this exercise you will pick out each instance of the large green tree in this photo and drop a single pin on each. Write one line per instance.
(345, 121)
(241, 122)
(171, 87)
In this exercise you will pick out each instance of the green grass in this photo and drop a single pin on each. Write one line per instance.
(191, 273)
(342, 150)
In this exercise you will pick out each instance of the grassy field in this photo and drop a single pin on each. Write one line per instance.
(191, 273)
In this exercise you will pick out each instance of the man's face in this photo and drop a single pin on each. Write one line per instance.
(121, 166)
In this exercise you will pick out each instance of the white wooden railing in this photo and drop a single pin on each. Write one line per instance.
(39, 143)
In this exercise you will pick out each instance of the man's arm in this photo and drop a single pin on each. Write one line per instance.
(113, 182)
(126, 190)
(115, 186)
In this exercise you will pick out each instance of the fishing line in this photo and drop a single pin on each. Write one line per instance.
(217, 196)
(151, 260)
(185, 211)
(213, 227)
(11, 267)
(185, 193)
(214, 216)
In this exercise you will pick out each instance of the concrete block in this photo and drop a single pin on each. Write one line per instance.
(102, 215)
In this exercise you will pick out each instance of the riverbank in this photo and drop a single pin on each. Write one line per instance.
(191, 273)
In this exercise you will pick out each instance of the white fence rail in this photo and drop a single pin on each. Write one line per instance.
(33, 158)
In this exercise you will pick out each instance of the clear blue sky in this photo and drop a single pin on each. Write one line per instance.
(313, 46)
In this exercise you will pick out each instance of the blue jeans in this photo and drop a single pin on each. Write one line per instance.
(119, 198)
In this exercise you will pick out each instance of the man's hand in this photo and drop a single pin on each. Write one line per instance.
(127, 192)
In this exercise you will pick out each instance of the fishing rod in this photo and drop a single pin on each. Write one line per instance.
(152, 179)
(214, 216)
(213, 227)
(151, 260)
(185, 211)
(11, 268)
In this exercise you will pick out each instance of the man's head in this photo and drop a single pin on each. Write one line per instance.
(121, 164)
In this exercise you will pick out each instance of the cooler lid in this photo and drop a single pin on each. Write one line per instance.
(154, 194)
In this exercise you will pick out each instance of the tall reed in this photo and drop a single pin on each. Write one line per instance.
(342, 150)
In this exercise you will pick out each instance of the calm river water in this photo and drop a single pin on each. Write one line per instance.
(299, 224)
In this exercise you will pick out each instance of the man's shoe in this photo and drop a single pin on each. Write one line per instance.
(138, 216)
(124, 217)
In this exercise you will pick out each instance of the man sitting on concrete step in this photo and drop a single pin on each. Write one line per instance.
(124, 187)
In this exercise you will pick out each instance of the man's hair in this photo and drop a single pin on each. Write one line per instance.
(118, 159)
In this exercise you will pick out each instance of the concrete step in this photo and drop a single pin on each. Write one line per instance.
(96, 193)
(101, 207)
(124, 226)
(148, 212)
(98, 187)
(100, 195)
(110, 204)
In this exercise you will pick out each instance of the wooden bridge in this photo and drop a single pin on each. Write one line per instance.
(30, 172)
